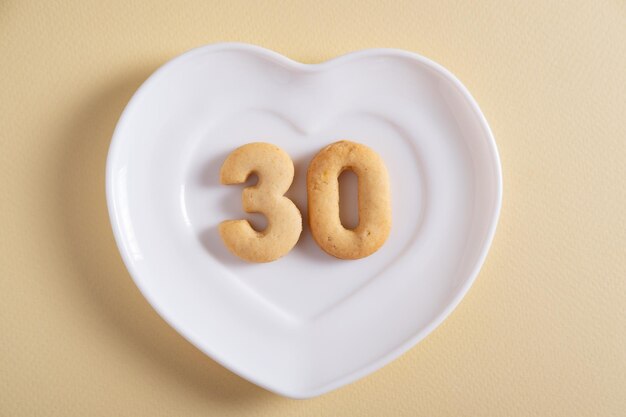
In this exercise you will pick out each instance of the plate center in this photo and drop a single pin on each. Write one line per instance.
(306, 282)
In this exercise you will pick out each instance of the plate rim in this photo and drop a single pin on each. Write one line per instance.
(302, 67)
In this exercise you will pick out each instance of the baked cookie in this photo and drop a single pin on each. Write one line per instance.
(374, 200)
(275, 170)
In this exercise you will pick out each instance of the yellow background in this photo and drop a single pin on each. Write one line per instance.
(543, 330)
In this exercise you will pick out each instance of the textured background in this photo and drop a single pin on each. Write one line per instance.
(543, 330)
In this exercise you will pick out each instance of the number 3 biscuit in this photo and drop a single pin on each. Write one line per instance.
(373, 201)
(275, 170)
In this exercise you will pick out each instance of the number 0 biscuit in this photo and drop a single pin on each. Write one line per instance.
(374, 200)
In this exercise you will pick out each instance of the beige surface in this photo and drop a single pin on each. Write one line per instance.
(542, 332)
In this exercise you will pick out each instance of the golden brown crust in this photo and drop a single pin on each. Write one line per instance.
(374, 200)
(284, 223)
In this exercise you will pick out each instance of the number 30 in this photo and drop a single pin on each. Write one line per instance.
(275, 173)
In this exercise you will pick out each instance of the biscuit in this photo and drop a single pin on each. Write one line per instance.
(374, 200)
(275, 171)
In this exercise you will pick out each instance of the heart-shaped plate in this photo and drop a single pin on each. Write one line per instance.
(307, 323)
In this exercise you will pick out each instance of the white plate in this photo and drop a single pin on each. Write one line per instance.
(307, 323)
